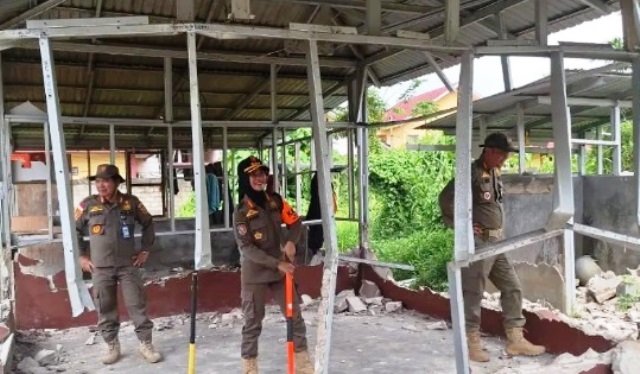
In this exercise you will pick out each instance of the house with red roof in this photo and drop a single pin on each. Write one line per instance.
(400, 135)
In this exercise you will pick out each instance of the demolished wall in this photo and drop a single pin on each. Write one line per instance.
(609, 204)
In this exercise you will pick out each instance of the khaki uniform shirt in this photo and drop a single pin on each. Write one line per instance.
(103, 221)
(486, 190)
(258, 233)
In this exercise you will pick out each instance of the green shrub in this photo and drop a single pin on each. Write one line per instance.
(348, 236)
(188, 208)
(429, 251)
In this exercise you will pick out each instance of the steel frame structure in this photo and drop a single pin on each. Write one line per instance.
(559, 222)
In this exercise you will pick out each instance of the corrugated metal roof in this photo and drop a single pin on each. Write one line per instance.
(499, 111)
(125, 86)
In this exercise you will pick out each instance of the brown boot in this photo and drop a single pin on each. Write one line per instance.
(476, 350)
(148, 351)
(517, 345)
(303, 363)
(113, 353)
(250, 365)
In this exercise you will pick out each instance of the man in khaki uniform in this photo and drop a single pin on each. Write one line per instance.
(265, 260)
(488, 219)
(111, 257)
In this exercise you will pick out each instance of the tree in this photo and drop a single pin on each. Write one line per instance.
(424, 108)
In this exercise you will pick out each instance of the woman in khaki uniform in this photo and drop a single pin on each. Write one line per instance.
(265, 260)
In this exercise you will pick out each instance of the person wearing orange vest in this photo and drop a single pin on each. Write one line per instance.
(265, 260)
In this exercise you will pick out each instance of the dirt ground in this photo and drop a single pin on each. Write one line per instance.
(398, 342)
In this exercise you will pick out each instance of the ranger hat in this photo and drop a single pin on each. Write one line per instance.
(106, 171)
(255, 164)
(499, 141)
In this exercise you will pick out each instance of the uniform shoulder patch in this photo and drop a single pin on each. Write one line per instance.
(242, 229)
(251, 213)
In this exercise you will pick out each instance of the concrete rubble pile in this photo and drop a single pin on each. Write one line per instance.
(37, 360)
(607, 306)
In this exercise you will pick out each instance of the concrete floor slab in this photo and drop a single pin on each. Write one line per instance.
(389, 342)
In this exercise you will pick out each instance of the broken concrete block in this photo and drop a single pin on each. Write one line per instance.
(369, 290)
(601, 289)
(28, 363)
(393, 306)
(226, 318)
(440, 325)
(306, 300)
(356, 305)
(374, 301)
(410, 327)
(608, 275)
(340, 305)
(346, 293)
(46, 356)
(626, 358)
(91, 340)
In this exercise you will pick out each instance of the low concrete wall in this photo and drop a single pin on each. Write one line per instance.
(609, 203)
(173, 251)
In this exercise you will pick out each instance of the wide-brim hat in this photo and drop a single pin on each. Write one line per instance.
(499, 141)
(107, 171)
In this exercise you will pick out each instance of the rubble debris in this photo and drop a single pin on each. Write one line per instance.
(630, 286)
(625, 358)
(28, 365)
(602, 289)
(341, 304)
(356, 305)
(373, 301)
(369, 290)
(161, 326)
(411, 327)
(440, 325)
(393, 306)
(91, 340)
(586, 268)
(306, 300)
(46, 356)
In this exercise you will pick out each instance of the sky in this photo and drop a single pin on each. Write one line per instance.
(488, 71)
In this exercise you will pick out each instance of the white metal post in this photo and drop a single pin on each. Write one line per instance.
(225, 176)
(350, 171)
(112, 144)
(522, 156)
(172, 189)
(457, 319)
(168, 118)
(542, 29)
(569, 270)
(283, 150)
(274, 159)
(599, 151)
(464, 243)
(325, 311)
(582, 158)
(47, 161)
(78, 292)
(635, 83)
(563, 200)
(617, 138)
(296, 157)
(5, 163)
(364, 187)
(202, 255)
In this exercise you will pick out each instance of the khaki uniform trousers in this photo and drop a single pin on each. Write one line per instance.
(105, 292)
(502, 274)
(253, 310)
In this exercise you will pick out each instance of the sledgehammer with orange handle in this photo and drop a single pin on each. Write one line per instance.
(288, 289)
